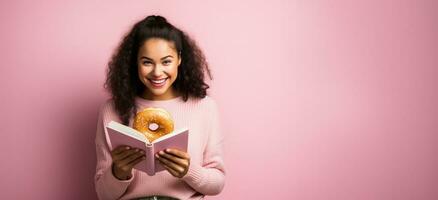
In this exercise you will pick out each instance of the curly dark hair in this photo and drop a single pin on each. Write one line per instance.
(122, 79)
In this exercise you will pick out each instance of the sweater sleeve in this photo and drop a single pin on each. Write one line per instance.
(106, 184)
(209, 179)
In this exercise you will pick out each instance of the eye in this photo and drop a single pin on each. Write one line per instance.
(167, 62)
(147, 63)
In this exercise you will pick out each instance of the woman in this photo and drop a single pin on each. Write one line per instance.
(158, 65)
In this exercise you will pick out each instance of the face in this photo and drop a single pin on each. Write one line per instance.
(158, 62)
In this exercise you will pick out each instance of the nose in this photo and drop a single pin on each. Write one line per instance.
(157, 70)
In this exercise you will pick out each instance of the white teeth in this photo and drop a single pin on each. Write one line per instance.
(158, 81)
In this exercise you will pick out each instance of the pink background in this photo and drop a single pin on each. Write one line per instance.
(319, 99)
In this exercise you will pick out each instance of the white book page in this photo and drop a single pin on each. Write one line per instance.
(128, 131)
(176, 132)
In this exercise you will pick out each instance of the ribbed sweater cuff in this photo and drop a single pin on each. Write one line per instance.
(194, 175)
(114, 184)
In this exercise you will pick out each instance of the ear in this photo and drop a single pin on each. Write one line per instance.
(179, 59)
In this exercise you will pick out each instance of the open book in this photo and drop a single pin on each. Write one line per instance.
(120, 134)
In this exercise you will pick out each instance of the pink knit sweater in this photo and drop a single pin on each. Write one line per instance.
(206, 174)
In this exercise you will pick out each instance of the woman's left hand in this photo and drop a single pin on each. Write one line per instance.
(175, 161)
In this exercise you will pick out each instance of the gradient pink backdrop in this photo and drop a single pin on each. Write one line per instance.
(319, 99)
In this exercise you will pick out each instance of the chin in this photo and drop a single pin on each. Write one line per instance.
(156, 92)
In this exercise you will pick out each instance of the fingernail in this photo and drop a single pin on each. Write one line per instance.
(127, 148)
(161, 152)
(156, 155)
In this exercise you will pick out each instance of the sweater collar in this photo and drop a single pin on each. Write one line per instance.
(142, 100)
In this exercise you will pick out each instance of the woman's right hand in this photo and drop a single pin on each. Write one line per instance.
(124, 158)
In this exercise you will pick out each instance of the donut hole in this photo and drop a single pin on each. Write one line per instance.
(153, 126)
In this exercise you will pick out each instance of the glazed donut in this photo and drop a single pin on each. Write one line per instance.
(153, 123)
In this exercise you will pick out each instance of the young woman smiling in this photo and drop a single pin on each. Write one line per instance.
(158, 65)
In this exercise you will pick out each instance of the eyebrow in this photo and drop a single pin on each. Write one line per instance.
(161, 58)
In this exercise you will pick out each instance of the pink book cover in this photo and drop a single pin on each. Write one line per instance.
(120, 134)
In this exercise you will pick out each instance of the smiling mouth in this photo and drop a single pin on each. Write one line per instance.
(158, 82)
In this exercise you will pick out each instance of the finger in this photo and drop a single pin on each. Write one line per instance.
(170, 164)
(134, 162)
(130, 158)
(125, 154)
(178, 153)
(120, 149)
(174, 159)
(171, 171)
